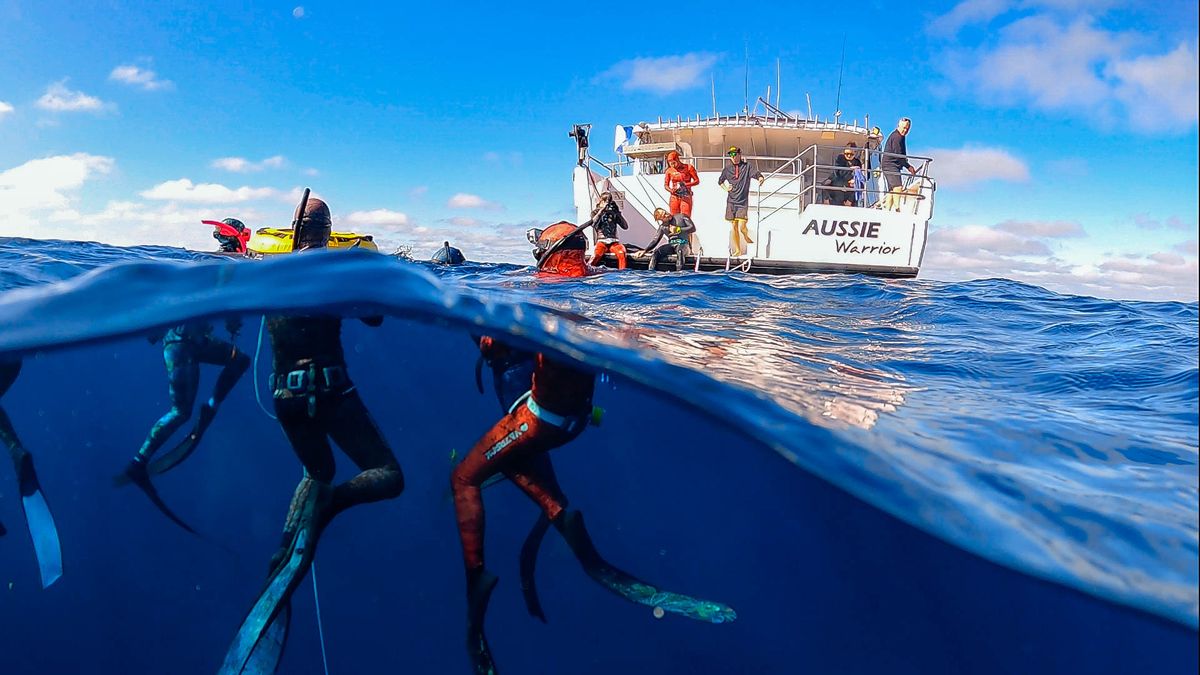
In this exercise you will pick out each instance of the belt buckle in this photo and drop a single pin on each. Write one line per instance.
(295, 380)
(335, 376)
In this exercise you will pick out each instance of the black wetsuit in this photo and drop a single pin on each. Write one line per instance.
(316, 401)
(185, 347)
(608, 220)
(677, 241)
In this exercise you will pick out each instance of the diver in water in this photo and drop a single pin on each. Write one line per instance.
(606, 218)
(559, 250)
(315, 401)
(185, 347)
(676, 229)
(231, 234)
(37, 512)
(448, 255)
(553, 411)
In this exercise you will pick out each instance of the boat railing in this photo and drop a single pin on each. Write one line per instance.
(816, 190)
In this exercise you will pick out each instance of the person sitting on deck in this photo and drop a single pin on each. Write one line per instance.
(675, 228)
(606, 218)
(843, 177)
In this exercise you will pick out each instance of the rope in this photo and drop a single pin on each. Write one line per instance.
(257, 350)
(320, 628)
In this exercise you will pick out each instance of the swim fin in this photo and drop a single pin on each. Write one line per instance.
(137, 474)
(529, 553)
(258, 645)
(166, 461)
(480, 584)
(479, 374)
(42, 530)
(571, 526)
(3, 530)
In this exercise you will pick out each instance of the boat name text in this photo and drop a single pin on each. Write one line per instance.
(843, 228)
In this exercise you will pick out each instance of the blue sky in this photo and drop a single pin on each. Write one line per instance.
(1064, 132)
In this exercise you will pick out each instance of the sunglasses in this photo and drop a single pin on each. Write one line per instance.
(734, 154)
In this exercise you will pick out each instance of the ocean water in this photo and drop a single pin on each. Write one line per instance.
(879, 476)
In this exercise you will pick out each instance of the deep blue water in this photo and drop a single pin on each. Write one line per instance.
(880, 476)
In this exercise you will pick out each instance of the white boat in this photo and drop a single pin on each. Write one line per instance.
(794, 231)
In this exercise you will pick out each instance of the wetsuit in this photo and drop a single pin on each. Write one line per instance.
(315, 401)
(675, 229)
(448, 255)
(679, 180)
(606, 223)
(42, 529)
(555, 411)
(185, 347)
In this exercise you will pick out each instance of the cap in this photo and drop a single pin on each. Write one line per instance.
(734, 150)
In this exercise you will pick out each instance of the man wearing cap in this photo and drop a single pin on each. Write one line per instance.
(679, 180)
(735, 179)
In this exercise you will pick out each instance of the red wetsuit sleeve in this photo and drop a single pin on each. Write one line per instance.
(690, 177)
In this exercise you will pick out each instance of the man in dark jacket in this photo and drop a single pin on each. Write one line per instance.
(676, 229)
(895, 156)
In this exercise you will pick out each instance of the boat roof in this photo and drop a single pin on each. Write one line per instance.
(758, 135)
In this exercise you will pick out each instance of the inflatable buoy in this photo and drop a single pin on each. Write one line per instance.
(272, 240)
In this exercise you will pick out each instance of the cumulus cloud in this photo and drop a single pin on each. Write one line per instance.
(664, 74)
(1072, 65)
(463, 200)
(1188, 248)
(58, 98)
(1053, 229)
(243, 165)
(1146, 222)
(5, 108)
(970, 165)
(376, 217)
(47, 184)
(1020, 250)
(967, 13)
(136, 76)
(184, 190)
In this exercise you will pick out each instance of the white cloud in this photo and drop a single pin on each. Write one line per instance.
(664, 74)
(243, 165)
(184, 190)
(58, 98)
(1159, 92)
(418, 191)
(1188, 248)
(463, 200)
(1074, 66)
(463, 221)
(139, 77)
(970, 165)
(376, 217)
(1146, 222)
(46, 184)
(1018, 250)
(1051, 229)
(967, 13)
(298, 12)
(311, 172)
(5, 108)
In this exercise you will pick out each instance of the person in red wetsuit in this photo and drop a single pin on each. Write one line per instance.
(561, 250)
(679, 180)
(553, 412)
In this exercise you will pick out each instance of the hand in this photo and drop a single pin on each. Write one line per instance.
(761, 179)
(726, 187)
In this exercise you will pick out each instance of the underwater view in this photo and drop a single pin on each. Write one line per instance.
(780, 474)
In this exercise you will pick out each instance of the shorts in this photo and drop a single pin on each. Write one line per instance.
(895, 179)
(736, 211)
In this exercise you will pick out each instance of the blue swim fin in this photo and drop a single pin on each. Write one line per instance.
(258, 645)
(529, 553)
(41, 524)
(571, 526)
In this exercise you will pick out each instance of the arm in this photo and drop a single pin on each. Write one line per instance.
(657, 238)
(688, 226)
(621, 222)
(667, 180)
(691, 178)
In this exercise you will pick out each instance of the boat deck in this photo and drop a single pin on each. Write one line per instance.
(762, 266)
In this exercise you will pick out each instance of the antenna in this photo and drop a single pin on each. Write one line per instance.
(777, 87)
(746, 81)
(809, 100)
(841, 68)
(713, 78)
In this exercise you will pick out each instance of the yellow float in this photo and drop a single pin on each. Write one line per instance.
(274, 240)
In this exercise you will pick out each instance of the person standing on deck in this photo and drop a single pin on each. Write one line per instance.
(895, 156)
(679, 180)
(735, 179)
